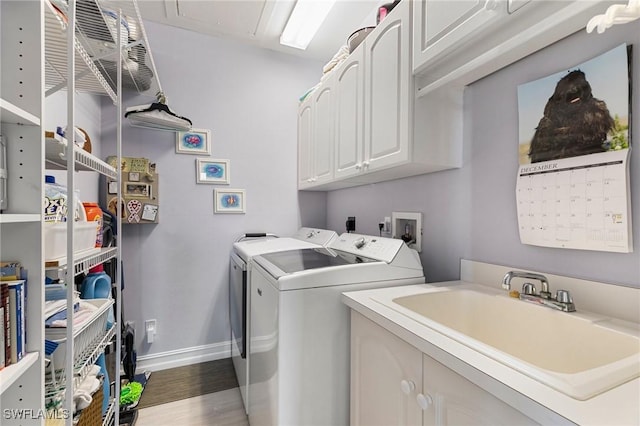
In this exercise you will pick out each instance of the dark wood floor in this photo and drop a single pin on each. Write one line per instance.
(185, 382)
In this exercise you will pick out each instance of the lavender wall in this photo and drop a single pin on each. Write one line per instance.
(471, 212)
(177, 271)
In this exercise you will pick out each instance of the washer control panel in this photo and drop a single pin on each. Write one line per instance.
(379, 248)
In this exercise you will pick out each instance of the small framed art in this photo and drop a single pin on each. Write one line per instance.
(138, 190)
(229, 201)
(212, 171)
(195, 141)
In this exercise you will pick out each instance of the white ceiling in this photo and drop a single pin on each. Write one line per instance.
(260, 22)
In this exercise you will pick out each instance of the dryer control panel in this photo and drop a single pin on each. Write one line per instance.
(321, 237)
(378, 248)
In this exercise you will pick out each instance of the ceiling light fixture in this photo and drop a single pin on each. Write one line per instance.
(304, 22)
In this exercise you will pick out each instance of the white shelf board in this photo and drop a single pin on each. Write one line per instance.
(19, 218)
(10, 374)
(12, 114)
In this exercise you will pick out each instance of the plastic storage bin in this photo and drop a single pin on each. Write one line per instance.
(55, 238)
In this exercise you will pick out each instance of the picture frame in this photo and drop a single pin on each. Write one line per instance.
(212, 171)
(194, 141)
(137, 190)
(134, 176)
(229, 201)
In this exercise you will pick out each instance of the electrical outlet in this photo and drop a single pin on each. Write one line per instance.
(150, 330)
(387, 224)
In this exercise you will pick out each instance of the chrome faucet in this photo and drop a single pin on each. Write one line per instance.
(562, 301)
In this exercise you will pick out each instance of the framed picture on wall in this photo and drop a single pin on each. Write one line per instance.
(138, 190)
(195, 141)
(229, 201)
(213, 171)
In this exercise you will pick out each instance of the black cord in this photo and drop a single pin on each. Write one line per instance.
(380, 226)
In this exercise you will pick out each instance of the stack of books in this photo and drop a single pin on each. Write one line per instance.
(13, 297)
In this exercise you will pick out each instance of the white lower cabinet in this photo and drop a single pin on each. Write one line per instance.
(393, 383)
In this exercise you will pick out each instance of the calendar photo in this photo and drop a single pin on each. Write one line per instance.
(573, 184)
(578, 111)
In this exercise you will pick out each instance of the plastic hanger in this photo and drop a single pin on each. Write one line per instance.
(615, 14)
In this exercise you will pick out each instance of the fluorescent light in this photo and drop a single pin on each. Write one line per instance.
(306, 18)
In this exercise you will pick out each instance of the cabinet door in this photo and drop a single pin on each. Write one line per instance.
(349, 86)
(323, 135)
(440, 25)
(454, 400)
(305, 121)
(388, 101)
(383, 368)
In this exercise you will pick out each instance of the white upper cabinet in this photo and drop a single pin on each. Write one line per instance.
(349, 91)
(442, 25)
(458, 42)
(316, 117)
(375, 116)
(388, 97)
(323, 134)
(305, 121)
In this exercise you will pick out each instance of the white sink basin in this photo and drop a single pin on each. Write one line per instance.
(575, 354)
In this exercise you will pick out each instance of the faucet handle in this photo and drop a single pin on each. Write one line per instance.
(563, 296)
(528, 288)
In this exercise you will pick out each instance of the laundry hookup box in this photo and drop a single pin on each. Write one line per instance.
(138, 192)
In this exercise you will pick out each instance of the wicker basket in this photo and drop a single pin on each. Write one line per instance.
(92, 415)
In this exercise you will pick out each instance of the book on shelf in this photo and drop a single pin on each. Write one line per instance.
(2, 351)
(4, 303)
(17, 308)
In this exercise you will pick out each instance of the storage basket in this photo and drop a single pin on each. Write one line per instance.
(92, 415)
(55, 238)
(85, 336)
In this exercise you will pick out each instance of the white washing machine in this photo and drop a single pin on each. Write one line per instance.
(300, 329)
(240, 266)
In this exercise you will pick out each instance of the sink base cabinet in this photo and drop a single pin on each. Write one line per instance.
(392, 382)
(380, 364)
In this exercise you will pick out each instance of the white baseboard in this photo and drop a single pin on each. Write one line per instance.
(182, 357)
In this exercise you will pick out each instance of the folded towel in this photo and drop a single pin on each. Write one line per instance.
(309, 92)
(82, 314)
(341, 55)
(82, 395)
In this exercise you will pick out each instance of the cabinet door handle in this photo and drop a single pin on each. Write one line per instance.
(407, 386)
(424, 401)
(365, 164)
(358, 166)
(259, 292)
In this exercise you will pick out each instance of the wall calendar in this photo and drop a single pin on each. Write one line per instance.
(573, 185)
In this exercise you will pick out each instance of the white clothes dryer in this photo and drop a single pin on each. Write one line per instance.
(300, 329)
(244, 249)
